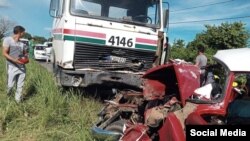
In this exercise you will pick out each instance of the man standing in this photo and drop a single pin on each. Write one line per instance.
(201, 62)
(13, 51)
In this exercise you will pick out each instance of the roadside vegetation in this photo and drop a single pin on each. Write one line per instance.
(47, 113)
(213, 38)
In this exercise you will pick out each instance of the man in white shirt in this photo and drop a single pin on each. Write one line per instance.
(13, 51)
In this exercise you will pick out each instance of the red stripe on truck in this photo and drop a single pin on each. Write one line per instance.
(84, 33)
(58, 30)
(148, 41)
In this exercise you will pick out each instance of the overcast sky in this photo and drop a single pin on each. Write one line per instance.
(34, 15)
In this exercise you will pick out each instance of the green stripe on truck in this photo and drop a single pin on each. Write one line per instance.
(58, 36)
(83, 39)
(145, 47)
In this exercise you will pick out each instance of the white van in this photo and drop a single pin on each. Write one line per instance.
(39, 52)
(48, 44)
(48, 50)
(25, 41)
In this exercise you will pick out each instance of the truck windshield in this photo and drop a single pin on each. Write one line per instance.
(140, 12)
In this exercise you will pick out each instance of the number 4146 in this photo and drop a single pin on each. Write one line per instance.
(116, 40)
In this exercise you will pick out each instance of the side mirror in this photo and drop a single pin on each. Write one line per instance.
(167, 51)
(166, 18)
(53, 8)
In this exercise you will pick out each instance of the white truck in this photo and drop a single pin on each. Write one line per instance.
(110, 42)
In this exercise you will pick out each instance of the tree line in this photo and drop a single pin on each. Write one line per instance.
(6, 27)
(213, 38)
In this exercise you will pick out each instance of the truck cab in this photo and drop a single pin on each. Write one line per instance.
(107, 42)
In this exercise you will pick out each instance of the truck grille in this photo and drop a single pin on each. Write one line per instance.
(98, 57)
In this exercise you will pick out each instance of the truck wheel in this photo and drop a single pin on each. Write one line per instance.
(55, 67)
(53, 61)
(116, 126)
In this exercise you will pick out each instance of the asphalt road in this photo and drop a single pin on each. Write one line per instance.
(46, 65)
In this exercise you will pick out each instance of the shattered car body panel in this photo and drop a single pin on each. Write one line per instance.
(173, 80)
(172, 129)
(162, 93)
(188, 77)
(168, 101)
(178, 78)
(138, 132)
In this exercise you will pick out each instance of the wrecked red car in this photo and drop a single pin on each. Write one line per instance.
(172, 98)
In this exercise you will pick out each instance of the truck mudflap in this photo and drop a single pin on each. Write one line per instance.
(84, 78)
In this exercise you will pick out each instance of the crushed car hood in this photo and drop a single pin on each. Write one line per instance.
(173, 78)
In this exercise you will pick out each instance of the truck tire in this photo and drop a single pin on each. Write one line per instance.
(53, 61)
(116, 126)
(55, 67)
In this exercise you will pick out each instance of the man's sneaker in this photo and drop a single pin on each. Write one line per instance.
(19, 100)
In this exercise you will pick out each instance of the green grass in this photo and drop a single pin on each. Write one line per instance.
(48, 113)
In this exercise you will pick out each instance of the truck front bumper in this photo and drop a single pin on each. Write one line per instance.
(84, 78)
